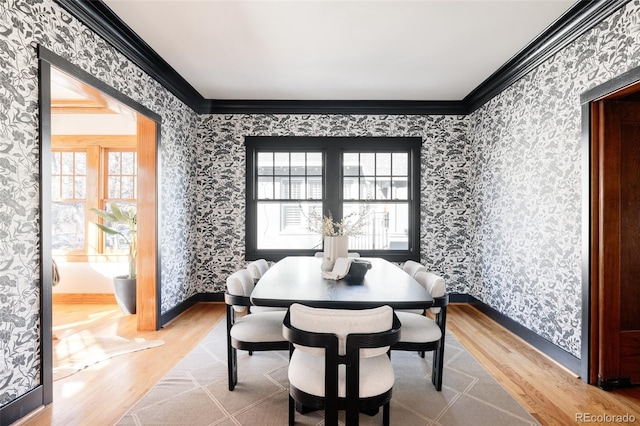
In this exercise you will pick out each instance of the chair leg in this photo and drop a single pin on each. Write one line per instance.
(292, 411)
(437, 368)
(232, 366)
(385, 414)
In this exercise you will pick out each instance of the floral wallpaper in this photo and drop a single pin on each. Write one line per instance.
(446, 203)
(527, 175)
(500, 188)
(23, 25)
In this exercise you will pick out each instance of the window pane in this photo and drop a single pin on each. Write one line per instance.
(67, 187)
(67, 163)
(350, 187)
(386, 226)
(285, 226)
(265, 188)
(113, 187)
(314, 187)
(297, 188)
(127, 187)
(314, 163)
(383, 188)
(368, 164)
(367, 188)
(114, 163)
(80, 187)
(265, 163)
(282, 188)
(282, 163)
(350, 164)
(81, 163)
(128, 163)
(383, 164)
(55, 163)
(298, 163)
(68, 224)
(400, 189)
(400, 164)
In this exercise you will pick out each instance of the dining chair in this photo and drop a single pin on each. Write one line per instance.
(339, 360)
(412, 267)
(258, 268)
(421, 333)
(253, 331)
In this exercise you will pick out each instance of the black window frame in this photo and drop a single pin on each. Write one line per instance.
(332, 149)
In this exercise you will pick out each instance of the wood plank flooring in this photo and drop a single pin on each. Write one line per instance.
(102, 394)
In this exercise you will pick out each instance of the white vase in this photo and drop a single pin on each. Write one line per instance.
(334, 247)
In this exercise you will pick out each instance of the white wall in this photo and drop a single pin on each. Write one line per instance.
(83, 277)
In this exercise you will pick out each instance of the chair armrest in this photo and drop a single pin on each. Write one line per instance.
(441, 301)
(232, 299)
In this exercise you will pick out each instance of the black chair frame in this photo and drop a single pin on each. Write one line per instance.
(331, 403)
(437, 346)
(233, 344)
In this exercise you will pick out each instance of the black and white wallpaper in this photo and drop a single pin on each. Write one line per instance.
(527, 175)
(23, 25)
(501, 205)
(446, 197)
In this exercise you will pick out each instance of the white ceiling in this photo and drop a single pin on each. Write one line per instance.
(337, 50)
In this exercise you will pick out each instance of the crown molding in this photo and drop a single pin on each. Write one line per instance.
(96, 15)
(334, 107)
(583, 16)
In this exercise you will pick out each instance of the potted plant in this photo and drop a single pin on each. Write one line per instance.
(123, 222)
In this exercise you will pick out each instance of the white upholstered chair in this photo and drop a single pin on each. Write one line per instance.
(421, 333)
(339, 360)
(412, 267)
(254, 331)
(258, 268)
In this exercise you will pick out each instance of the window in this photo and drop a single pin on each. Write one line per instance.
(292, 179)
(86, 174)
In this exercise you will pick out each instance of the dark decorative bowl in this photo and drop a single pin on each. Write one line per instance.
(357, 271)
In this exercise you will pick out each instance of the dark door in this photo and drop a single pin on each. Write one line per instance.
(619, 246)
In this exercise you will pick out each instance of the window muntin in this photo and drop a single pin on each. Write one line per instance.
(287, 182)
(85, 176)
(379, 175)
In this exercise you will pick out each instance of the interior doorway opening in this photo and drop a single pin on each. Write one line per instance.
(147, 137)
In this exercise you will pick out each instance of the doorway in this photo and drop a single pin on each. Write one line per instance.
(147, 138)
(614, 239)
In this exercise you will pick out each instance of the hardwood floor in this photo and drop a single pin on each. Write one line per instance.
(550, 393)
(102, 394)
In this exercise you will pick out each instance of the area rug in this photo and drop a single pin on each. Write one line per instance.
(195, 392)
(80, 350)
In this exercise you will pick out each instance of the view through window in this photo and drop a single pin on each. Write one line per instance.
(291, 182)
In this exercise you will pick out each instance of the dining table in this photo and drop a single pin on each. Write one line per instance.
(299, 279)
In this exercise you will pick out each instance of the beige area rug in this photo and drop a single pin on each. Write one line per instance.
(80, 350)
(195, 392)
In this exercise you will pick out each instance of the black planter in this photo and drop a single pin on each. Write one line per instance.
(125, 290)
